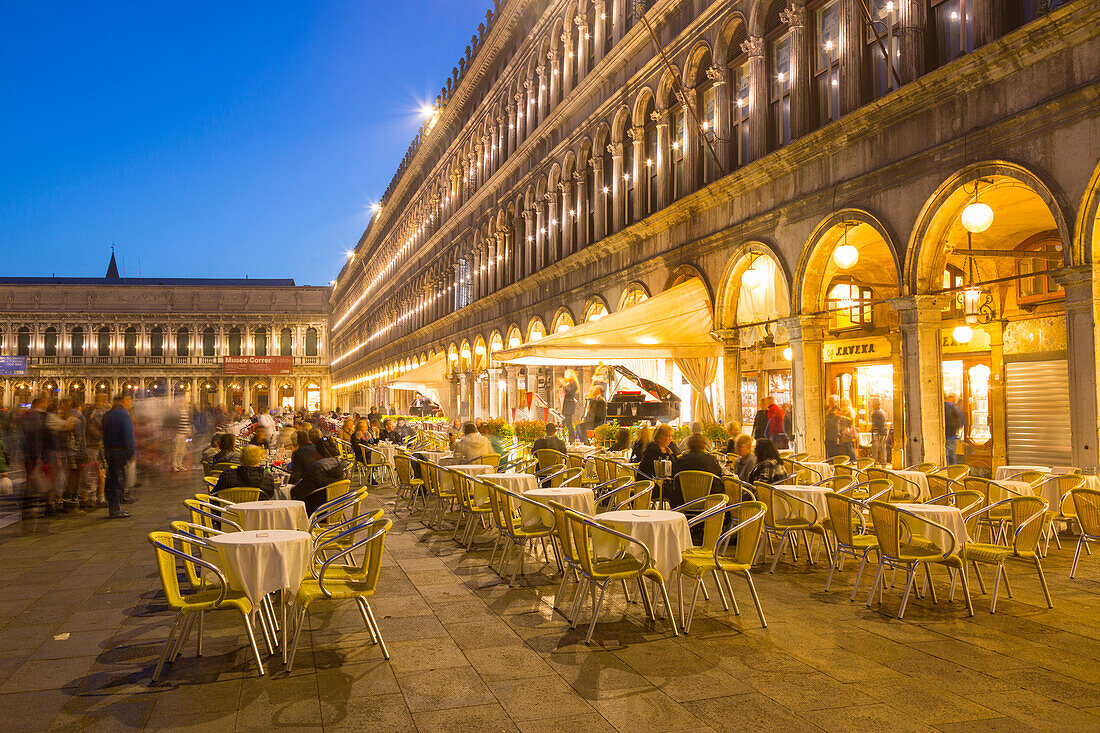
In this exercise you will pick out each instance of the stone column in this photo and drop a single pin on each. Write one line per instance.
(568, 63)
(997, 406)
(719, 74)
(851, 55)
(758, 97)
(1081, 360)
(494, 392)
(492, 267)
(525, 248)
(600, 31)
(618, 19)
(731, 374)
(474, 395)
(453, 396)
(618, 189)
(540, 235)
(580, 208)
(583, 39)
(664, 160)
(565, 190)
(555, 78)
(690, 141)
(543, 95)
(531, 109)
(801, 94)
(598, 199)
(921, 319)
(511, 136)
(912, 25)
(553, 227)
(897, 362)
(807, 381)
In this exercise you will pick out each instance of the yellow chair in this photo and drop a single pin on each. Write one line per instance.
(241, 494)
(335, 583)
(941, 485)
(212, 480)
(695, 484)
(908, 557)
(333, 519)
(208, 515)
(797, 515)
(902, 488)
(838, 461)
(1033, 478)
(748, 527)
(1086, 505)
(992, 493)
(490, 459)
(638, 496)
(613, 493)
(1065, 482)
(923, 467)
(549, 457)
(565, 550)
(506, 517)
(839, 484)
(407, 483)
(1027, 522)
(955, 472)
(171, 549)
(219, 467)
(850, 536)
(599, 572)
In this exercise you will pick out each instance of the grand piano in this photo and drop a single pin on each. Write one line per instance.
(636, 399)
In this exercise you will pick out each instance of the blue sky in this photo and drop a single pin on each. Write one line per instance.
(201, 138)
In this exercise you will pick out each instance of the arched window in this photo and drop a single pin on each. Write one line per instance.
(183, 347)
(156, 342)
(706, 105)
(826, 56)
(23, 341)
(234, 341)
(651, 161)
(627, 181)
(286, 342)
(103, 339)
(311, 341)
(953, 23)
(676, 143)
(208, 341)
(882, 50)
(76, 341)
(49, 342)
(739, 107)
(259, 342)
(779, 79)
(129, 341)
(1034, 286)
(849, 306)
(609, 186)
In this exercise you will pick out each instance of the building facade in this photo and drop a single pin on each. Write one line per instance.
(810, 163)
(85, 337)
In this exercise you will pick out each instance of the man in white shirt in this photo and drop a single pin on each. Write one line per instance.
(471, 446)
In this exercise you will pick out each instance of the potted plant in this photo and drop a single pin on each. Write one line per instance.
(605, 434)
(529, 430)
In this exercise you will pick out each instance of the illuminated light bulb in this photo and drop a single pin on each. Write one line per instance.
(740, 102)
(962, 334)
(570, 54)
(846, 256)
(706, 126)
(977, 217)
(787, 353)
(649, 162)
(752, 278)
(890, 6)
(626, 176)
(828, 45)
(782, 76)
(606, 189)
(676, 145)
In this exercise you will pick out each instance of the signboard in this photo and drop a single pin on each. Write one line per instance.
(11, 366)
(876, 348)
(257, 365)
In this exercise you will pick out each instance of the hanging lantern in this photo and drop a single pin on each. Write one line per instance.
(846, 256)
(977, 217)
(971, 301)
(752, 278)
(787, 354)
(962, 334)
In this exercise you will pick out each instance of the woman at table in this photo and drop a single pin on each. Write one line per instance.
(359, 440)
(733, 427)
(327, 469)
(645, 437)
(304, 455)
(622, 441)
(769, 467)
(249, 473)
(347, 430)
(661, 449)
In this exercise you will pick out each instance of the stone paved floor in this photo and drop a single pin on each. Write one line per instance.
(82, 621)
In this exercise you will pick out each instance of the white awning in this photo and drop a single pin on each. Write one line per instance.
(429, 379)
(675, 324)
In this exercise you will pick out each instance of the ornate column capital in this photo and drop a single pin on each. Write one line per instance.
(794, 15)
(753, 46)
(615, 148)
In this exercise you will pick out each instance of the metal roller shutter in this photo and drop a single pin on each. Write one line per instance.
(1037, 413)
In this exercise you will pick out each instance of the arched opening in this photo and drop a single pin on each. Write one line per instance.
(183, 342)
(209, 341)
(286, 396)
(313, 397)
(234, 395)
(563, 321)
(260, 396)
(156, 342)
(103, 341)
(992, 243)
(156, 387)
(234, 338)
(75, 391)
(22, 394)
(286, 343)
(102, 391)
(129, 341)
(259, 342)
(76, 341)
(208, 393)
(23, 341)
(635, 293)
(49, 387)
(595, 310)
(49, 342)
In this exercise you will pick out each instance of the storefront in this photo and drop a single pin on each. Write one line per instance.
(968, 380)
(862, 372)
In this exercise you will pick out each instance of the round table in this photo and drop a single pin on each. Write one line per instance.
(1006, 472)
(665, 533)
(517, 483)
(948, 516)
(278, 514)
(575, 498)
(472, 469)
(262, 562)
(435, 456)
(1015, 488)
(920, 479)
(815, 495)
(825, 470)
(387, 450)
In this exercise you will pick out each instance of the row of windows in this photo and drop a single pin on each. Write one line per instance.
(101, 342)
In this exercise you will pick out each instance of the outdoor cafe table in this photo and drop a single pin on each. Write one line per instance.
(517, 483)
(665, 533)
(1021, 488)
(277, 514)
(262, 562)
(814, 495)
(572, 497)
(949, 516)
(920, 479)
(472, 469)
(388, 451)
(435, 456)
(824, 470)
(1007, 472)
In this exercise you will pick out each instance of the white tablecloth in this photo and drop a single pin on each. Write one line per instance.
(824, 470)
(388, 451)
(263, 562)
(435, 456)
(280, 514)
(815, 495)
(948, 516)
(920, 479)
(472, 469)
(1004, 472)
(1022, 488)
(518, 483)
(577, 499)
(1049, 490)
(665, 533)
(582, 450)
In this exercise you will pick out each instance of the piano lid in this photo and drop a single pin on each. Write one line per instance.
(653, 392)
